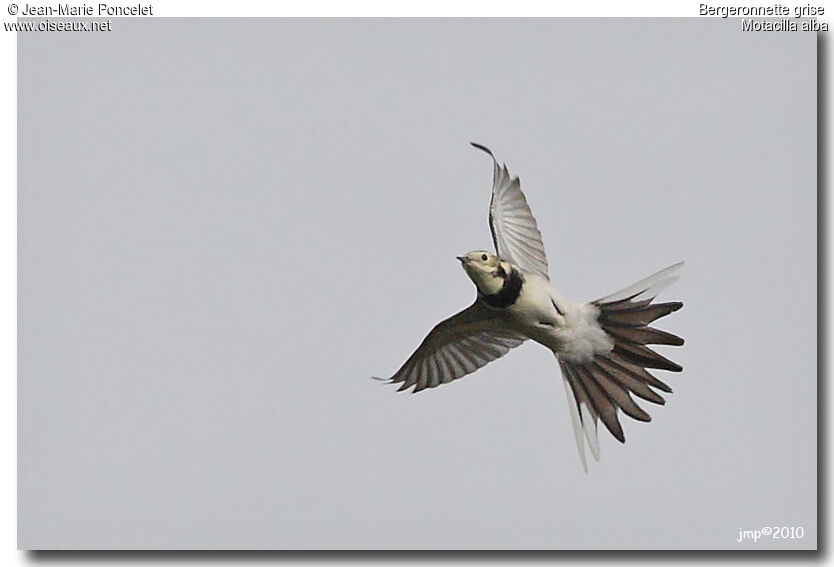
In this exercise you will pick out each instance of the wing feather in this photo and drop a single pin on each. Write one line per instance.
(456, 347)
(514, 230)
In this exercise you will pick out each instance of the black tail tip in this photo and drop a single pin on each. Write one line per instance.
(482, 148)
(663, 387)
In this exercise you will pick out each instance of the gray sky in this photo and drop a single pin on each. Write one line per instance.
(227, 226)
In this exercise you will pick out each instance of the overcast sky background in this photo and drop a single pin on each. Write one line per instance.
(227, 226)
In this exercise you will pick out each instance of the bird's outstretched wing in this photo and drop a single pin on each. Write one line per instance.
(514, 231)
(456, 347)
(600, 387)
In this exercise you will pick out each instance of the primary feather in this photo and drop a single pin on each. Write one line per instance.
(456, 347)
(515, 233)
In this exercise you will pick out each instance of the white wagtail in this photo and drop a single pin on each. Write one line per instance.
(600, 345)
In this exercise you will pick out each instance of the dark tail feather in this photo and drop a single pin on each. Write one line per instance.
(625, 317)
(637, 316)
(644, 336)
(606, 384)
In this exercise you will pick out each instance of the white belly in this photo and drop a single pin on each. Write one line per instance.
(571, 331)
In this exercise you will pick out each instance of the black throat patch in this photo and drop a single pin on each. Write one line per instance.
(509, 292)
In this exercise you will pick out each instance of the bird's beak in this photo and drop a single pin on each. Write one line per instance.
(462, 259)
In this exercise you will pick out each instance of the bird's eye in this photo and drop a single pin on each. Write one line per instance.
(484, 257)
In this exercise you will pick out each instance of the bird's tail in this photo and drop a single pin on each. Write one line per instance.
(599, 388)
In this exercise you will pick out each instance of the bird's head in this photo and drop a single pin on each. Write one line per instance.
(487, 270)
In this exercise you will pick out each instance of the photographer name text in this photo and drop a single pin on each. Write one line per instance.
(86, 10)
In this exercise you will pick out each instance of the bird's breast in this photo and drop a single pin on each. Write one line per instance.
(534, 305)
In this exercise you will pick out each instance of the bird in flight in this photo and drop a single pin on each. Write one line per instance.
(601, 345)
